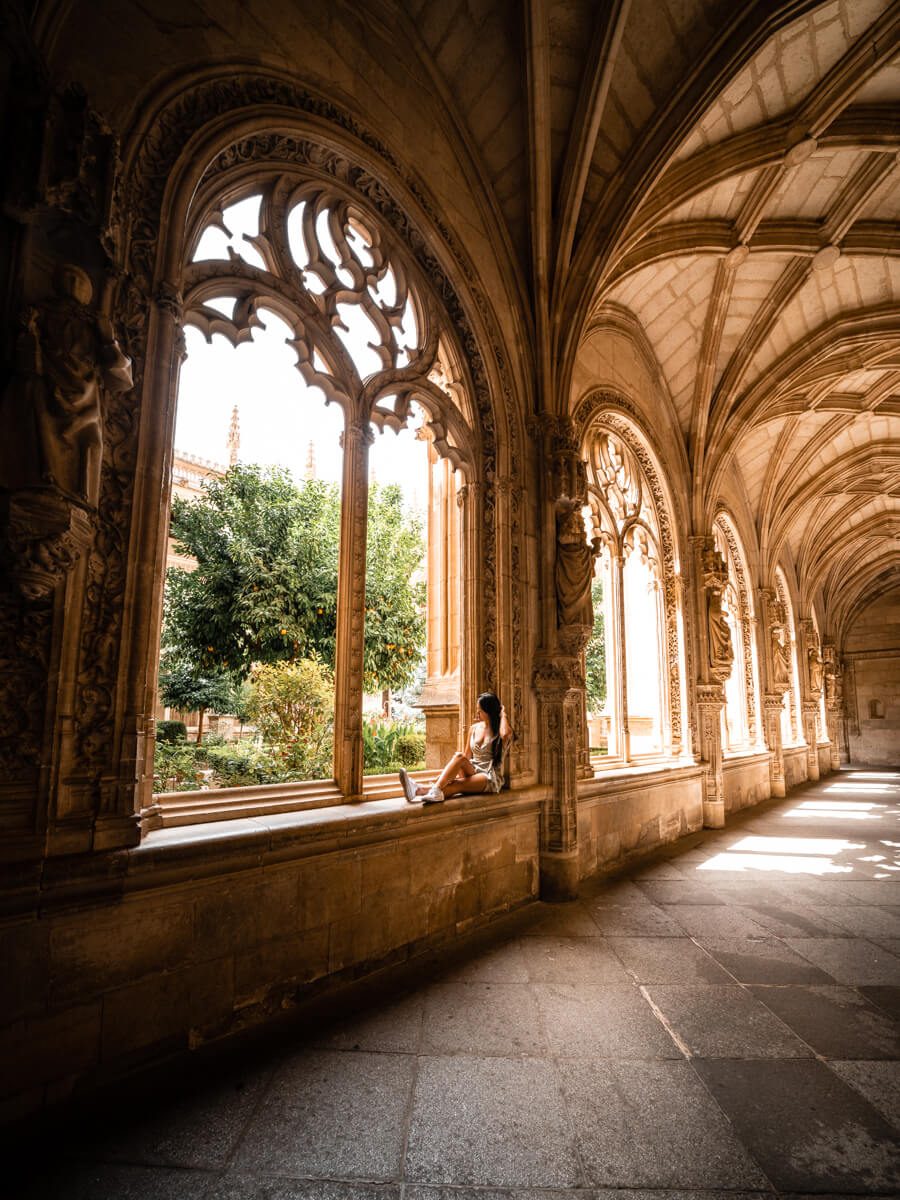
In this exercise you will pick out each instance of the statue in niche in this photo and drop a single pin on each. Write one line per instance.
(67, 354)
(781, 661)
(715, 579)
(574, 568)
(814, 663)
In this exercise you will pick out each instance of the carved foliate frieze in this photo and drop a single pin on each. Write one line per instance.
(25, 635)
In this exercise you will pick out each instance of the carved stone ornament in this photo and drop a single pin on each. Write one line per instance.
(715, 579)
(46, 535)
(66, 355)
(574, 574)
(781, 651)
(814, 666)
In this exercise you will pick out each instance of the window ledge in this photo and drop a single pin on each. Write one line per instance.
(636, 776)
(217, 847)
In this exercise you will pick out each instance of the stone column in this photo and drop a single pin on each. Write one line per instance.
(559, 692)
(812, 679)
(776, 659)
(773, 707)
(832, 702)
(440, 694)
(716, 659)
(348, 740)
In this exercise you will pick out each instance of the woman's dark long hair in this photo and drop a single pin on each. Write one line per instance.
(490, 706)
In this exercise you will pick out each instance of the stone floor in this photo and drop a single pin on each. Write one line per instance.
(723, 1018)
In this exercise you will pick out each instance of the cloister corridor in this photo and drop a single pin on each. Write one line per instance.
(721, 1018)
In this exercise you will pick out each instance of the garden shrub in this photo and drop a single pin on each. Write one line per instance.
(171, 731)
(175, 767)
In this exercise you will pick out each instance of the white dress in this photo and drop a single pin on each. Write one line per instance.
(481, 761)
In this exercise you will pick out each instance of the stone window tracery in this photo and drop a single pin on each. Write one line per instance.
(309, 260)
(791, 719)
(740, 717)
(624, 514)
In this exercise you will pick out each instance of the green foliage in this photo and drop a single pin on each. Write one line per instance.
(595, 654)
(183, 687)
(265, 586)
(395, 607)
(411, 749)
(241, 764)
(389, 744)
(171, 731)
(175, 767)
(292, 705)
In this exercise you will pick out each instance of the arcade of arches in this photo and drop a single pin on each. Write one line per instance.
(638, 265)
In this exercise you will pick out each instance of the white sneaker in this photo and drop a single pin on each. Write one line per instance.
(409, 788)
(434, 795)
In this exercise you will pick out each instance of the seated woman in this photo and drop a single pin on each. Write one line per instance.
(477, 769)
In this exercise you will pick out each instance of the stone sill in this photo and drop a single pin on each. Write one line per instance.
(740, 758)
(632, 777)
(172, 809)
(197, 851)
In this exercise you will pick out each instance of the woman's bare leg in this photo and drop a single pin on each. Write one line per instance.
(458, 768)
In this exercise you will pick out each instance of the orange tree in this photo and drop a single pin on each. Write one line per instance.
(265, 586)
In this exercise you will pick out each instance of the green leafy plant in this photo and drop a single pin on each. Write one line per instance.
(175, 768)
(595, 653)
(171, 731)
(186, 687)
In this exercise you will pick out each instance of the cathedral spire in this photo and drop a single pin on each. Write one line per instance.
(310, 470)
(234, 437)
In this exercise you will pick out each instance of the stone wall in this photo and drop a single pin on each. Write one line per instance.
(215, 928)
(746, 781)
(872, 688)
(795, 770)
(622, 815)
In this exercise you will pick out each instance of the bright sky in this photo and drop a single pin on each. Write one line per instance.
(279, 415)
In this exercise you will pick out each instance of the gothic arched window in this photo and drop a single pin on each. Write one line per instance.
(740, 717)
(635, 594)
(791, 722)
(300, 262)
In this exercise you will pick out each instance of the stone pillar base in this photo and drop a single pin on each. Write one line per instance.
(713, 814)
(778, 788)
(559, 877)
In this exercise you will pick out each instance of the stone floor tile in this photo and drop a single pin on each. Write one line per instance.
(714, 920)
(615, 890)
(482, 1019)
(490, 1122)
(113, 1181)
(496, 962)
(602, 1022)
(865, 920)
(807, 1129)
(716, 1022)
(873, 891)
(254, 1187)
(336, 1114)
(652, 1125)
(560, 920)
(683, 892)
(668, 960)
(807, 891)
(742, 892)
(198, 1126)
(389, 1025)
(837, 1022)
(635, 921)
(886, 998)
(763, 960)
(657, 871)
(572, 960)
(878, 1082)
(850, 960)
(792, 920)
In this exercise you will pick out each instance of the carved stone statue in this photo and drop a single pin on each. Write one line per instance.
(67, 354)
(574, 569)
(814, 663)
(781, 661)
(715, 579)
